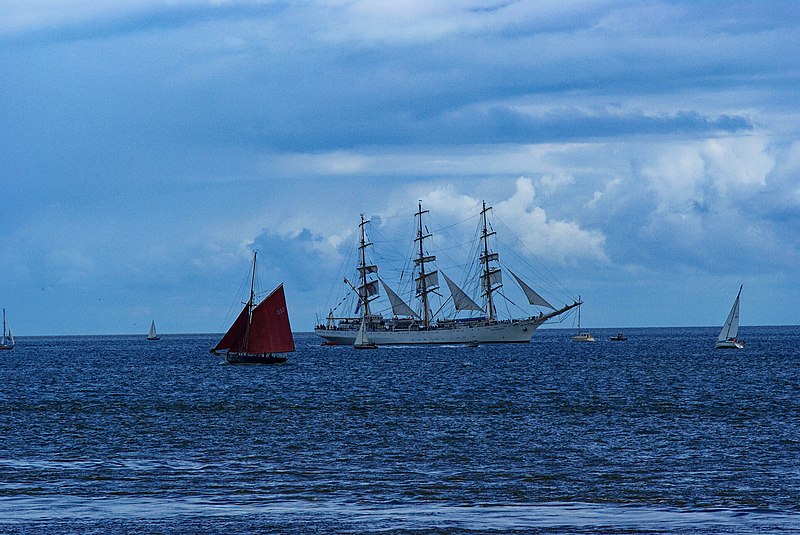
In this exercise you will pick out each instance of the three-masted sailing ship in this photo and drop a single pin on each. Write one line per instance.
(7, 342)
(261, 334)
(424, 325)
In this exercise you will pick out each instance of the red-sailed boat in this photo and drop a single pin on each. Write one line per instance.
(261, 333)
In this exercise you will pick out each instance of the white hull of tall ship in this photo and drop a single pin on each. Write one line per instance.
(501, 332)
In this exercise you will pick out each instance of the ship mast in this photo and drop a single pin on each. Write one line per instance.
(250, 302)
(366, 287)
(427, 281)
(491, 274)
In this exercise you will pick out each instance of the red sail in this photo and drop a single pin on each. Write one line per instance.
(236, 336)
(269, 327)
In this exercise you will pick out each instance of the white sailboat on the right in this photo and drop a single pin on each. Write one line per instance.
(727, 336)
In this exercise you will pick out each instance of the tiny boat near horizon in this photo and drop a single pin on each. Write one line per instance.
(152, 334)
(7, 342)
(619, 337)
(582, 337)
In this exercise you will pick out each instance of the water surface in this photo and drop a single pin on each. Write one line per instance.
(660, 433)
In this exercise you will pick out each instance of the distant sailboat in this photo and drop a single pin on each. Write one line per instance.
(261, 332)
(582, 337)
(152, 334)
(362, 342)
(7, 341)
(727, 336)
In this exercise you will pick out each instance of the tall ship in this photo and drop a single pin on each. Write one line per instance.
(436, 318)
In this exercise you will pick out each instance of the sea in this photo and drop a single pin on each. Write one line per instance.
(660, 433)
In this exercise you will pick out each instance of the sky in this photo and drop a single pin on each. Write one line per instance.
(648, 152)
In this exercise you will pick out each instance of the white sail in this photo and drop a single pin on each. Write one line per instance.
(431, 281)
(460, 299)
(152, 334)
(533, 297)
(361, 341)
(399, 307)
(731, 327)
(495, 278)
(7, 341)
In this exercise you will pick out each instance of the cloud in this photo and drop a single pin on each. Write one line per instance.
(56, 20)
(555, 240)
(654, 139)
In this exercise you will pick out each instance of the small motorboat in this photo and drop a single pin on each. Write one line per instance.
(619, 337)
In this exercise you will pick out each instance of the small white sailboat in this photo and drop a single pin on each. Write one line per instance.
(582, 337)
(362, 342)
(152, 334)
(7, 342)
(727, 336)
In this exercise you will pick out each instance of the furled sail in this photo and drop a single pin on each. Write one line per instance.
(461, 300)
(731, 327)
(399, 307)
(533, 297)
